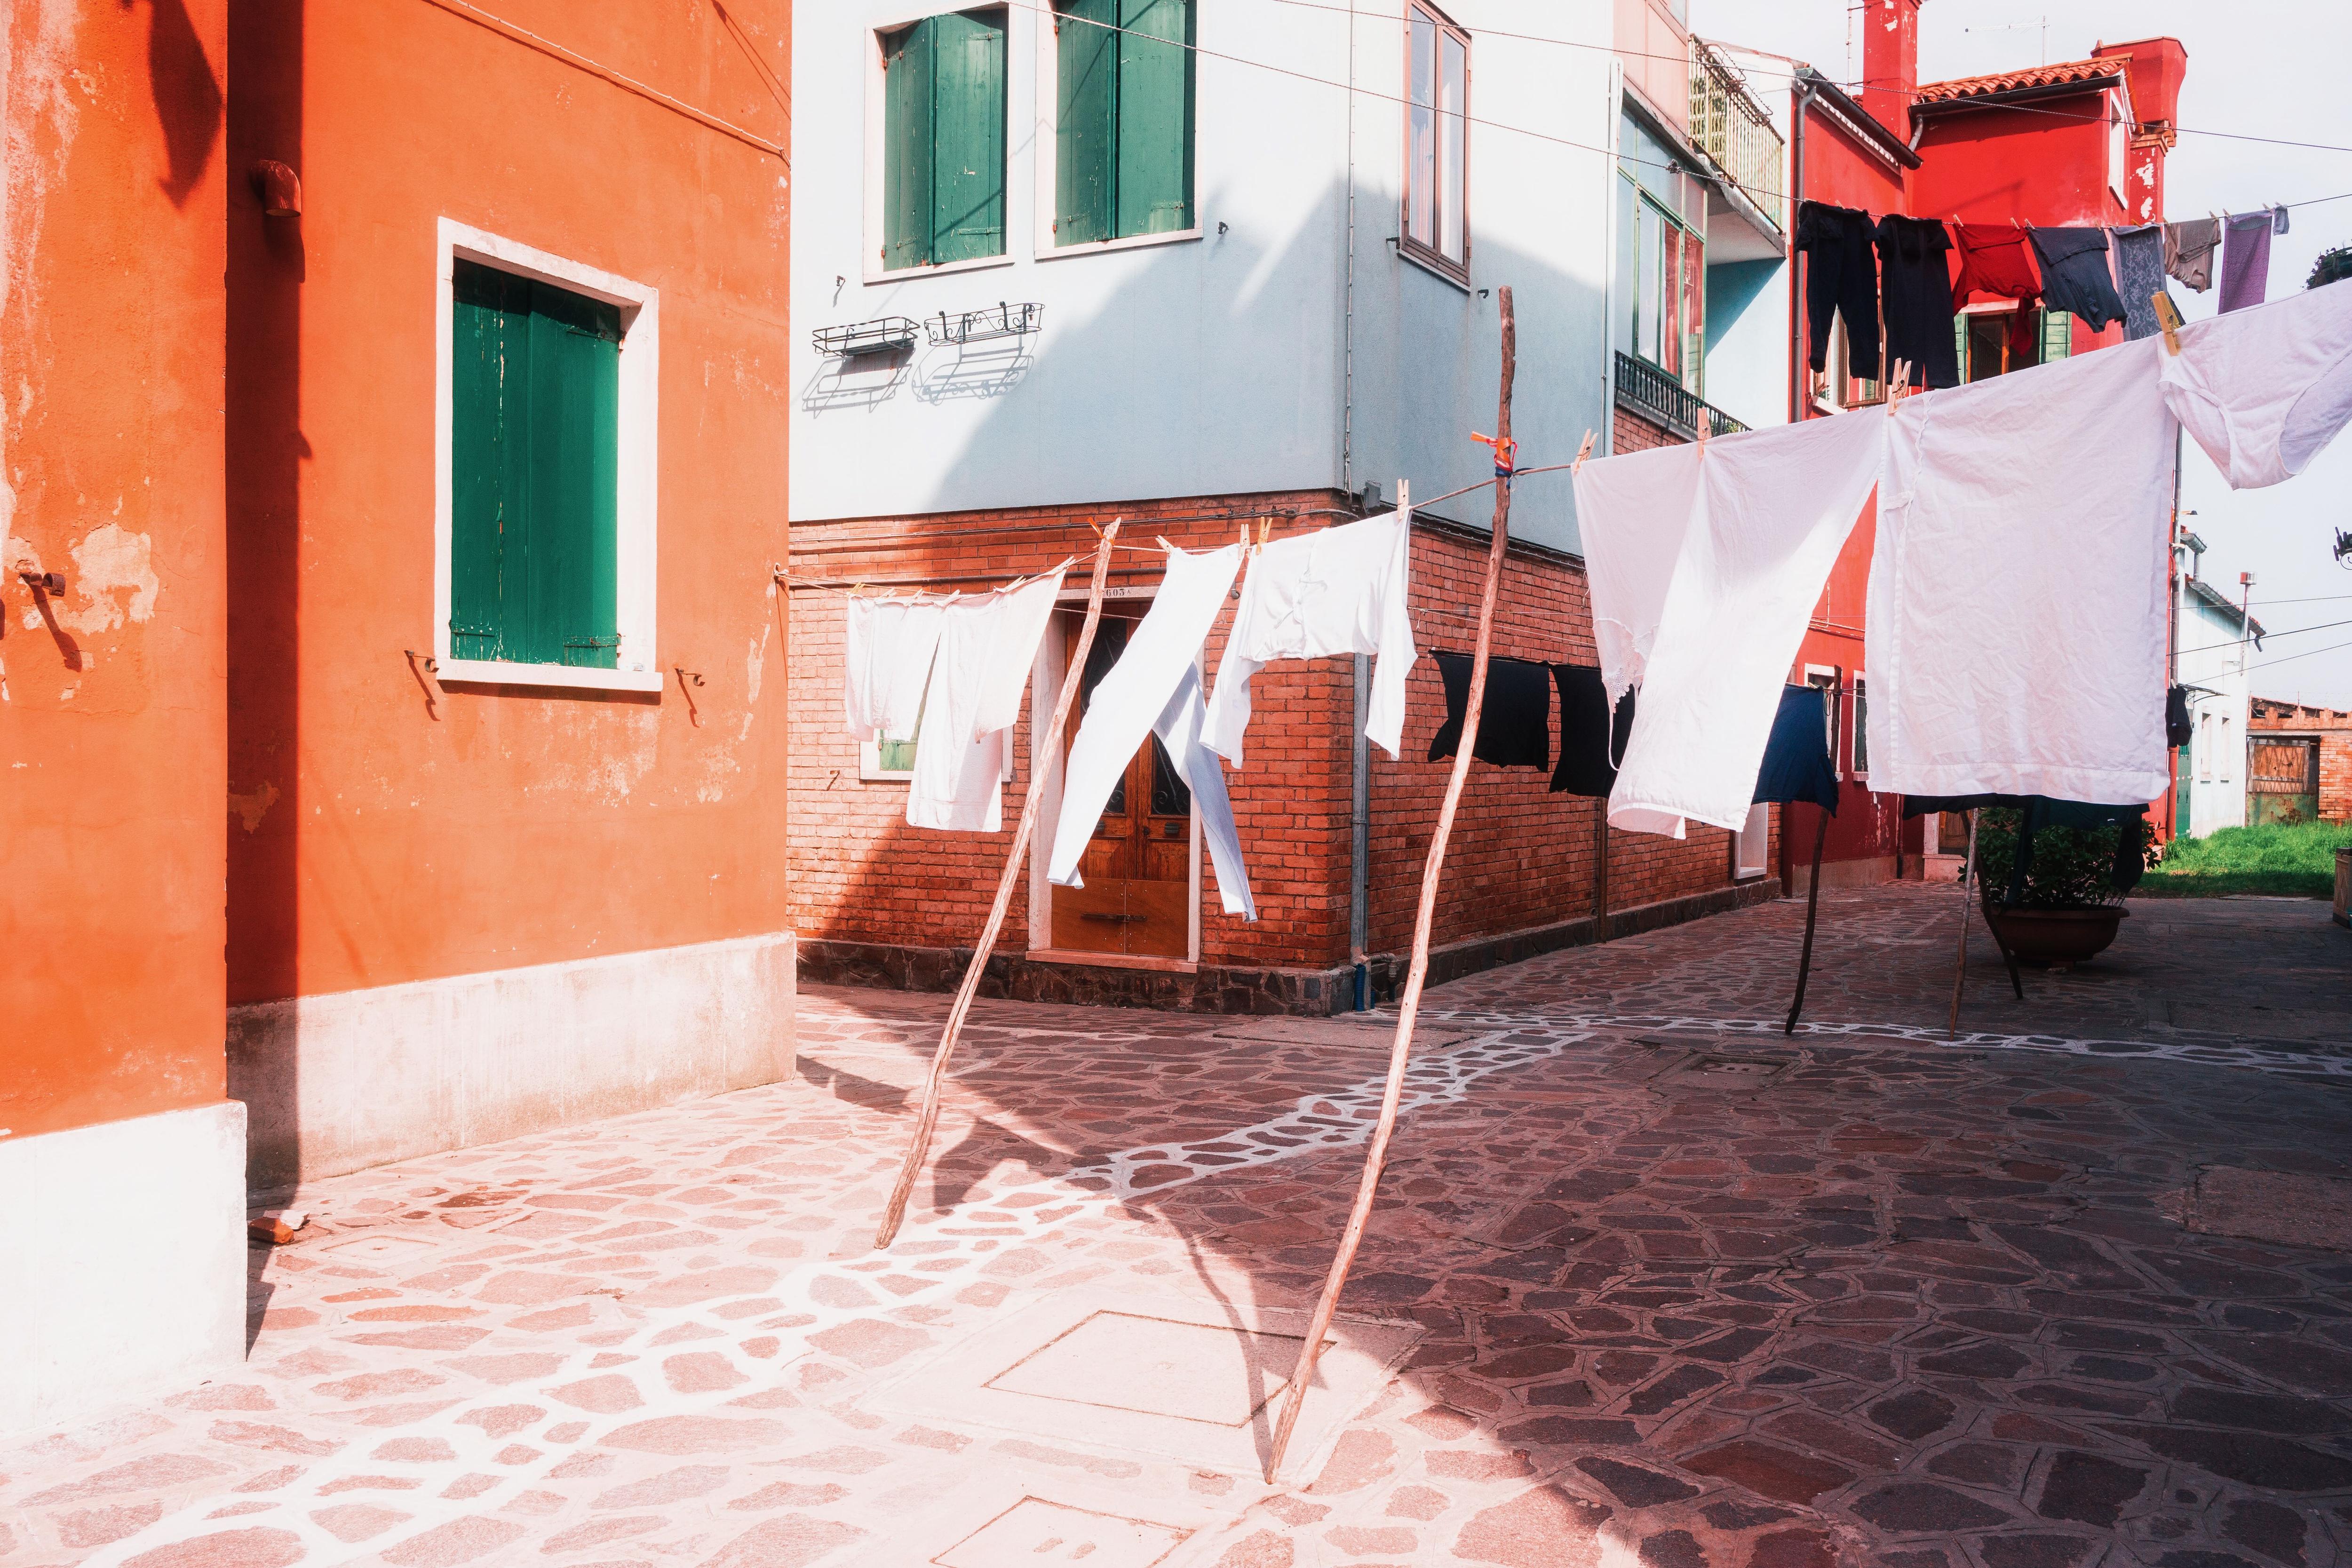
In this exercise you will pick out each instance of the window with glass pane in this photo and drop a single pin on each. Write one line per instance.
(1436, 194)
(943, 139)
(1123, 119)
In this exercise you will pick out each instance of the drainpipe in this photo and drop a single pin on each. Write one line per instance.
(1805, 91)
(1359, 807)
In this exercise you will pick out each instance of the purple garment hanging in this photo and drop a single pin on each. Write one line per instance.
(2246, 260)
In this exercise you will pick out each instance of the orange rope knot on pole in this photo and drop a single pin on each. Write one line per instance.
(1506, 452)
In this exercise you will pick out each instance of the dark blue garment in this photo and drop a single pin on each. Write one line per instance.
(1797, 764)
(2075, 273)
(1513, 722)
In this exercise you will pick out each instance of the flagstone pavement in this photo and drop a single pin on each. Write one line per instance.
(1650, 1283)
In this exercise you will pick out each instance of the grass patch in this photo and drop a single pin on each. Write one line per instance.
(2293, 861)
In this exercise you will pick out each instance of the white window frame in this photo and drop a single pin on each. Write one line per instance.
(1857, 745)
(2222, 754)
(1433, 258)
(2119, 151)
(869, 252)
(636, 479)
(2205, 748)
(1752, 845)
(1047, 159)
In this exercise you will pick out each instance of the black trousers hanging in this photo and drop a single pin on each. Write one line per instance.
(1841, 277)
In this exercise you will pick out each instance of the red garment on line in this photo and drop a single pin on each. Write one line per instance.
(1995, 259)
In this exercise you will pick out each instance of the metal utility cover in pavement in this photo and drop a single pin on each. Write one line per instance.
(1162, 1377)
(1729, 1072)
(1034, 1533)
(1122, 1361)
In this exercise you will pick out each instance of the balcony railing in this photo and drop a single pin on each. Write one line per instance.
(1730, 127)
(1652, 393)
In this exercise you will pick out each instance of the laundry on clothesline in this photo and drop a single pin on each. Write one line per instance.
(2018, 604)
(1768, 513)
(987, 644)
(887, 646)
(2139, 277)
(1916, 276)
(1995, 260)
(1514, 720)
(1591, 740)
(2076, 277)
(1155, 689)
(1841, 280)
(2188, 247)
(1336, 590)
(2245, 260)
(1797, 765)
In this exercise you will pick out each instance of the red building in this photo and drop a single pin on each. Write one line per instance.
(2077, 143)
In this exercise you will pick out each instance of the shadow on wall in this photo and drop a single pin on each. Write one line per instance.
(189, 104)
(1251, 419)
(266, 453)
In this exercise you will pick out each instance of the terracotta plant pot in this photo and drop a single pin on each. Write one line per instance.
(2060, 939)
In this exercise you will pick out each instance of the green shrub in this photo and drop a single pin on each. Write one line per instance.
(2070, 870)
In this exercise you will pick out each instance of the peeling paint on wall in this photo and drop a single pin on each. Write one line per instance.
(252, 804)
(112, 561)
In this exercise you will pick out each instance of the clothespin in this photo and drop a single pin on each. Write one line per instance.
(1506, 452)
(1582, 452)
(1265, 528)
(2167, 316)
(1165, 548)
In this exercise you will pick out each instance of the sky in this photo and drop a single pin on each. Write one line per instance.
(2256, 67)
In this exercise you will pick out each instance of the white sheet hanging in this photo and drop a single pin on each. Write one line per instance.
(1155, 689)
(1337, 590)
(2015, 640)
(2264, 389)
(986, 648)
(1774, 508)
(1632, 513)
(887, 645)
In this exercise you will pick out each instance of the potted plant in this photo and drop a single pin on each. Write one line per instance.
(2068, 907)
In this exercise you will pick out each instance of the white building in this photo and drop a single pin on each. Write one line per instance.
(2214, 640)
(1308, 298)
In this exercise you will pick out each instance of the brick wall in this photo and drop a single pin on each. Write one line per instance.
(1519, 856)
(1632, 433)
(2334, 729)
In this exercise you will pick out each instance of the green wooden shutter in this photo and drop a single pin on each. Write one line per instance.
(534, 473)
(968, 120)
(572, 576)
(1960, 344)
(2057, 335)
(1155, 117)
(1086, 142)
(489, 377)
(909, 73)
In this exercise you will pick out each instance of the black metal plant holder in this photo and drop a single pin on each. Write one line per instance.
(955, 329)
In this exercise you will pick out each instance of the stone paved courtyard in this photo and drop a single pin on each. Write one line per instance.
(1650, 1283)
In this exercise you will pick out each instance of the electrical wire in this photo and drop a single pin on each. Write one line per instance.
(2265, 636)
(2307, 653)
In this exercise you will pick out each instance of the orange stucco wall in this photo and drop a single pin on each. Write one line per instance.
(111, 732)
(374, 837)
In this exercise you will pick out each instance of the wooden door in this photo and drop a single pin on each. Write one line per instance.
(1138, 864)
(2282, 785)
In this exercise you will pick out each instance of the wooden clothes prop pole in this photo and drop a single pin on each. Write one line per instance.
(919, 1146)
(1960, 970)
(1310, 1349)
(1812, 912)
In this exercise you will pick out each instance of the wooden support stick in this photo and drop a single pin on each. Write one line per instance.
(1812, 911)
(919, 1146)
(1960, 971)
(1310, 1349)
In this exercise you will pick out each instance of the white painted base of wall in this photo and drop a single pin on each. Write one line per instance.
(355, 1078)
(121, 1261)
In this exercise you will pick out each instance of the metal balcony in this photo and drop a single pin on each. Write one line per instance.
(1732, 129)
(1653, 393)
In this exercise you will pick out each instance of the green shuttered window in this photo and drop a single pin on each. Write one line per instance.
(534, 470)
(1123, 117)
(943, 139)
